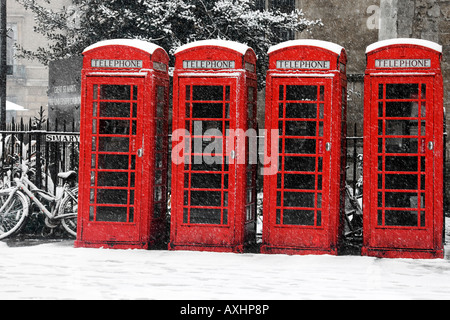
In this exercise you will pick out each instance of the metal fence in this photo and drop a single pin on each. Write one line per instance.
(56, 147)
(48, 148)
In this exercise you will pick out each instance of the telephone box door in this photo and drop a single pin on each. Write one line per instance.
(403, 149)
(207, 191)
(301, 110)
(116, 138)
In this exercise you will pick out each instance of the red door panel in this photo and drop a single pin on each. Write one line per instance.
(115, 135)
(299, 193)
(401, 209)
(206, 180)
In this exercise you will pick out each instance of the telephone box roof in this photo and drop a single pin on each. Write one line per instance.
(236, 46)
(333, 47)
(135, 43)
(407, 41)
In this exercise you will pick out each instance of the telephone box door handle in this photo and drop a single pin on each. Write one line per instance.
(140, 153)
(430, 145)
(328, 146)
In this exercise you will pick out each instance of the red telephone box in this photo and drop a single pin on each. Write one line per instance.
(123, 150)
(213, 183)
(306, 100)
(403, 150)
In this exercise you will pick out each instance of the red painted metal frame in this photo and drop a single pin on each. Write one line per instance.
(424, 241)
(324, 237)
(238, 230)
(145, 227)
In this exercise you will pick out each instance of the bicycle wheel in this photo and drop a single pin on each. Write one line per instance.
(69, 206)
(15, 214)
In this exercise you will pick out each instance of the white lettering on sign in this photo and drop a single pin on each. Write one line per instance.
(119, 64)
(303, 64)
(65, 89)
(62, 138)
(64, 101)
(209, 64)
(403, 63)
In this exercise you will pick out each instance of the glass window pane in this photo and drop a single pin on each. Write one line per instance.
(301, 110)
(402, 109)
(188, 93)
(206, 198)
(200, 127)
(206, 216)
(281, 93)
(207, 93)
(301, 128)
(113, 144)
(401, 218)
(105, 196)
(299, 182)
(424, 91)
(402, 164)
(401, 182)
(402, 127)
(209, 181)
(114, 110)
(300, 146)
(115, 92)
(278, 217)
(115, 162)
(95, 89)
(112, 214)
(298, 217)
(304, 93)
(135, 92)
(299, 199)
(401, 200)
(402, 145)
(121, 127)
(94, 109)
(112, 179)
(207, 110)
(402, 91)
(304, 164)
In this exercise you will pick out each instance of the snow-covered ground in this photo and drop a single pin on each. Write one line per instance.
(57, 270)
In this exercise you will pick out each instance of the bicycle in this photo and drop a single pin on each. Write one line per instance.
(7, 170)
(353, 205)
(60, 209)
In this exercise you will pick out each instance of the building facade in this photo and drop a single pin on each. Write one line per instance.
(27, 82)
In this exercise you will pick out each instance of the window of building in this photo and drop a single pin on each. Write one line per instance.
(10, 48)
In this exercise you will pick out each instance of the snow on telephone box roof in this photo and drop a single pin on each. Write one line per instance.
(406, 41)
(333, 47)
(135, 43)
(236, 46)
